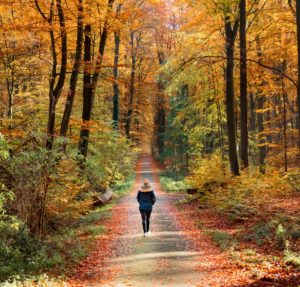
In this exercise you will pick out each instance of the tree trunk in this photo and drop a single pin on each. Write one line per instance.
(161, 119)
(116, 84)
(74, 76)
(285, 144)
(131, 86)
(10, 93)
(51, 122)
(90, 82)
(230, 111)
(260, 119)
(261, 136)
(298, 47)
(87, 96)
(116, 76)
(243, 87)
(161, 113)
(102, 46)
(55, 90)
(252, 126)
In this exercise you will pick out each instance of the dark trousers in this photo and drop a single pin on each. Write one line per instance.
(145, 219)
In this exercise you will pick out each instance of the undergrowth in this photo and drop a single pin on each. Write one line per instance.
(254, 207)
(172, 182)
(25, 256)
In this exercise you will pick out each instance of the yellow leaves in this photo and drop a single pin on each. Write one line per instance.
(64, 189)
(13, 133)
(261, 111)
(207, 170)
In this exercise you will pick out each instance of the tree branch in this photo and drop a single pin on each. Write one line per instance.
(238, 59)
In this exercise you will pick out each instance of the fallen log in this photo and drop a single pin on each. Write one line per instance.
(103, 198)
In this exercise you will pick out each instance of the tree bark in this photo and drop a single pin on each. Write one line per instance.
(55, 90)
(87, 96)
(74, 76)
(116, 84)
(298, 80)
(161, 119)
(102, 46)
(131, 86)
(90, 81)
(260, 119)
(10, 93)
(243, 87)
(161, 114)
(252, 126)
(231, 33)
(116, 89)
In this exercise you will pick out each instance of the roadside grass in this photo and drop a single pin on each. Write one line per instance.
(59, 253)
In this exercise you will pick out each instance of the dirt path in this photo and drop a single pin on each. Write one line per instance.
(162, 259)
(176, 254)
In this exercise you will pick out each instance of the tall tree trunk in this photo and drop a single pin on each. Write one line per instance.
(243, 86)
(102, 46)
(75, 71)
(252, 104)
(261, 136)
(131, 86)
(260, 118)
(90, 82)
(116, 76)
(298, 47)
(161, 113)
(285, 143)
(284, 124)
(10, 92)
(231, 33)
(161, 118)
(55, 90)
(116, 84)
(52, 102)
(87, 96)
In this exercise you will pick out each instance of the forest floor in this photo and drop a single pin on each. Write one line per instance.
(177, 253)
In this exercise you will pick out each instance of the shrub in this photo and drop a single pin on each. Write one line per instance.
(223, 240)
(208, 173)
(261, 232)
(110, 161)
(281, 236)
(171, 185)
(69, 194)
(47, 187)
(292, 258)
(294, 180)
(44, 196)
(20, 253)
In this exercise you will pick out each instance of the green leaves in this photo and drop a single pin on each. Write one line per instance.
(4, 149)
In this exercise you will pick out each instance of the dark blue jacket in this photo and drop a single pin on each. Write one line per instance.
(146, 199)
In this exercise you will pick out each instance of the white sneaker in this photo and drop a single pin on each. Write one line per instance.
(149, 232)
(145, 234)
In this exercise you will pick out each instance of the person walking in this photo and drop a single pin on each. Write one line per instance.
(146, 198)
